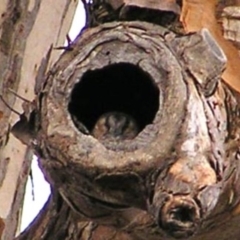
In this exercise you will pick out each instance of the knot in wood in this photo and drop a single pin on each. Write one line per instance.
(127, 115)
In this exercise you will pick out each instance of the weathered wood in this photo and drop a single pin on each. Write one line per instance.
(204, 153)
(179, 174)
(164, 12)
(230, 22)
(24, 42)
(57, 221)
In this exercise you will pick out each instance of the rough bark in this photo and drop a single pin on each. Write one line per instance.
(24, 42)
(178, 178)
(157, 185)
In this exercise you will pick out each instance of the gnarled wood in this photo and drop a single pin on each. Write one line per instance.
(24, 42)
(176, 183)
(192, 189)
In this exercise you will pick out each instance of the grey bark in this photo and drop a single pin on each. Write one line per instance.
(175, 184)
(178, 178)
(24, 43)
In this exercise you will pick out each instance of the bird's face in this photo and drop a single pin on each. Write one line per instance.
(115, 126)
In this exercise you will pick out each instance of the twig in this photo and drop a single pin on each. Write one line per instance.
(13, 110)
(24, 99)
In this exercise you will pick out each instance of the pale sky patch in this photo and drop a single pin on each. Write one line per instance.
(41, 189)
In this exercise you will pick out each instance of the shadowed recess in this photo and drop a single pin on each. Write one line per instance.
(119, 87)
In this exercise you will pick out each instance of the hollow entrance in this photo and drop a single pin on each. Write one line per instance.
(119, 87)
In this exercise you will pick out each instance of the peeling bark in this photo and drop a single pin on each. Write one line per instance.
(156, 185)
(23, 45)
(178, 178)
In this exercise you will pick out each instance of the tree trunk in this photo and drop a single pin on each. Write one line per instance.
(25, 41)
(136, 133)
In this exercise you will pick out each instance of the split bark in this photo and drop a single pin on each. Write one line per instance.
(160, 184)
(24, 42)
(171, 185)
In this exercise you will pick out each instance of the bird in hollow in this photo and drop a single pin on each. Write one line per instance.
(112, 126)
